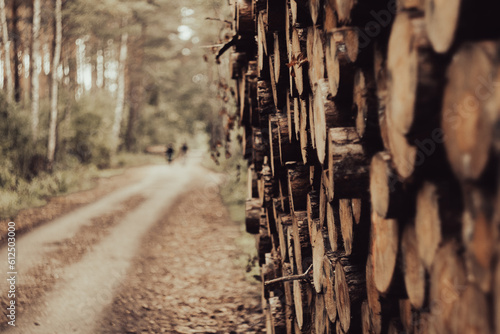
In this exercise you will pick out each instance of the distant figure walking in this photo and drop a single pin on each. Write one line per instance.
(184, 150)
(169, 153)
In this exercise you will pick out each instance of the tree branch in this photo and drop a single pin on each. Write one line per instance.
(289, 278)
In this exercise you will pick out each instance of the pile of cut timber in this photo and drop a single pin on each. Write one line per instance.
(372, 133)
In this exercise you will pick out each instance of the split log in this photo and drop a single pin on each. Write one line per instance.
(253, 212)
(447, 285)
(326, 115)
(448, 21)
(347, 164)
(384, 244)
(349, 290)
(329, 288)
(468, 112)
(320, 317)
(358, 207)
(413, 268)
(386, 191)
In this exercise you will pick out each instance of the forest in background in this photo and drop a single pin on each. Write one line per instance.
(83, 81)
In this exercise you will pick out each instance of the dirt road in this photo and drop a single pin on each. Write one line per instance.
(156, 256)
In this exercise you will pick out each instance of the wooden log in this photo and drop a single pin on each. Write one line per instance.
(386, 191)
(300, 13)
(299, 61)
(323, 202)
(318, 240)
(304, 133)
(311, 125)
(450, 21)
(288, 150)
(263, 245)
(496, 296)
(301, 240)
(333, 225)
(277, 11)
(278, 318)
(284, 222)
(428, 224)
(395, 326)
(366, 324)
(302, 296)
(296, 116)
(366, 105)
(288, 305)
(258, 149)
(478, 238)
(252, 190)
(384, 247)
(416, 76)
(252, 220)
(316, 55)
(320, 317)
(468, 113)
(406, 315)
(329, 288)
(265, 97)
(312, 205)
(278, 85)
(290, 114)
(374, 301)
(349, 290)
(346, 224)
(244, 18)
(341, 51)
(347, 163)
(413, 268)
(326, 115)
(472, 315)
(298, 185)
(358, 208)
(274, 148)
(447, 285)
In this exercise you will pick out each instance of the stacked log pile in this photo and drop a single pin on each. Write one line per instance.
(372, 133)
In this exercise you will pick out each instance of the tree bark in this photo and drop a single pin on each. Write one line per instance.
(7, 51)
(35, 72)
(54, 96)
(120, 99)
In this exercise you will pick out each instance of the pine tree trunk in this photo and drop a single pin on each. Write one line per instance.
(35, 65)
(55, 85)
(6, 41)
(120, 100)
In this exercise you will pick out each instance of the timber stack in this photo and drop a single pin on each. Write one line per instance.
(372, 134)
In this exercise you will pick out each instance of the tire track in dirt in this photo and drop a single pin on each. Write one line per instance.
(42, 278)
(185, 278)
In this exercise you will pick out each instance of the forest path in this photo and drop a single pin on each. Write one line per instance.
(155, 256)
